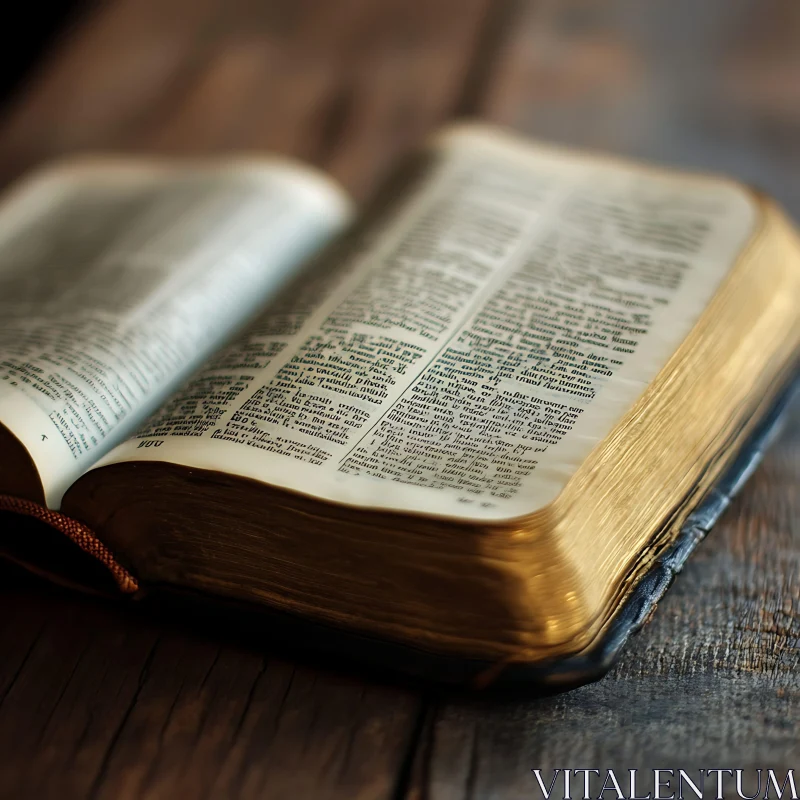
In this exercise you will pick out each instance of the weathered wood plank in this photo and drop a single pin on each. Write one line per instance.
(97, 701)
(349, 85)
(713, 86)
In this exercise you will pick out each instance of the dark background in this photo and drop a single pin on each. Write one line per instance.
(26, 37)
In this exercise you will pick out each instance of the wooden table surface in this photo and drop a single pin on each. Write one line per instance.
(99, 701)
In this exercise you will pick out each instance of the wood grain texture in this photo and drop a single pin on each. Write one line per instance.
(348, 85)
(97, 701)
(100, 702)
(713, 86)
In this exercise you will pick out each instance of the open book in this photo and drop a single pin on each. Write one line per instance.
(479, 432)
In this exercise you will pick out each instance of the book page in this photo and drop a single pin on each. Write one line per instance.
(466, 361)
(118, 279)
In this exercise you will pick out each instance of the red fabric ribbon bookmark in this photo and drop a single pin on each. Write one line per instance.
(79, 533)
